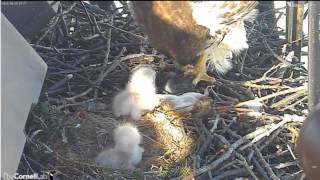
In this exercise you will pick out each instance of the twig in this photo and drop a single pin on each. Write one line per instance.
(79, 95)
(27, 162)
(111, 68)
(52, 168)
(266, 132)
(143, 39)
(265, 164)
(289, 99)
(88, 16)
(285, 165)
(223, 158)
(259, 169)
(263, 86)
(216, 122)
(205, 146)
(54, 23)
(229, 173)
(106, 60)
(60, 83)
(99, 31)
(274, 54)
(291, 152)
(246, 165)
(293, 104)
(300, 88)
(269, 140)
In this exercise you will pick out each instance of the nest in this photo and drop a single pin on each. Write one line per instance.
(255, 111)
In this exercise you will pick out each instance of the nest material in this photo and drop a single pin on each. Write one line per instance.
(72, 122)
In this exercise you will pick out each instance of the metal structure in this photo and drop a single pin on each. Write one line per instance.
(33, 16)
(23, 72)
(294, 21)
(314, 54)
(294, 33)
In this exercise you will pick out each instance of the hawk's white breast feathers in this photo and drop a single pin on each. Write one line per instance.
(225, 21)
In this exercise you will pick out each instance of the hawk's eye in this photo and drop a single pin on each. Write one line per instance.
(210, 37)
(208, 34)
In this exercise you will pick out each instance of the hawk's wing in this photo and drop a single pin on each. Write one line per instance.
(171, 28)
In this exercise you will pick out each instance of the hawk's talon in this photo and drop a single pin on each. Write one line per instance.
(199, 71)
(203, 77)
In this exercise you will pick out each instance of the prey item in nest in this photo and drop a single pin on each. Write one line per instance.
(126, 153)
(175, 141)
(172, 129)
(190, 102)
(139, 95)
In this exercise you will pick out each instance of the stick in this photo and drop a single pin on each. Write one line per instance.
(265, 164)
(223, 158)
(300, 88)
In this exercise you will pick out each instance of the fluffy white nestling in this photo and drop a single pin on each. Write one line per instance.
(126, 152)
(139, 96)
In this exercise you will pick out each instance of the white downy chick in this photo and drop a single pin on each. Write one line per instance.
(114, 158)
(123, 105)
(183, 103)
(127, 138)
(139, 96)
(127, 152)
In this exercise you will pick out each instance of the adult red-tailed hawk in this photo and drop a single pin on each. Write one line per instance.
(184, 30)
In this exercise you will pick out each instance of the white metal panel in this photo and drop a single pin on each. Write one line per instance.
(22, 75)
